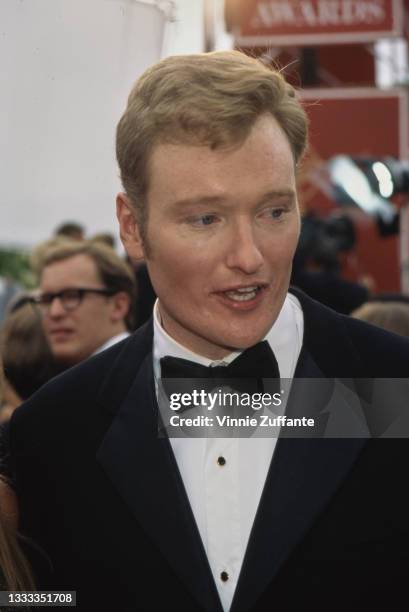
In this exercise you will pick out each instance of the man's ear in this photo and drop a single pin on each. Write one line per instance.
(121, 304)
(128, 228)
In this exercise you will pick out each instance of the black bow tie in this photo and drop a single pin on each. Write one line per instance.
(245, 375)
(255, 363)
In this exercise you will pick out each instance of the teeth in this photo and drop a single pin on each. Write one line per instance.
(246, 289)
(241, 298)
(243, 295)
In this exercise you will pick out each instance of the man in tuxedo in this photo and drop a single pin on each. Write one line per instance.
(208, 149)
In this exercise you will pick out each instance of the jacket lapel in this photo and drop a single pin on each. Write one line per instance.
(304, 472)
(143, 469)
(303, 476)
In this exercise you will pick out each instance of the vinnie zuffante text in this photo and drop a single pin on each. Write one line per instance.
(226, 399)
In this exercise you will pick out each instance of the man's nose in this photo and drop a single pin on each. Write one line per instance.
(243, 250)
(56, 309)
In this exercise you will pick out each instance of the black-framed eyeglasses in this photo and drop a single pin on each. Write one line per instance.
(69, 298)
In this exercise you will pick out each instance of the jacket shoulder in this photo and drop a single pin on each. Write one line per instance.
(348, 347)
(376, 343)
(73, 398)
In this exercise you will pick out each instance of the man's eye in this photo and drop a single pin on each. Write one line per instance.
(273, 214)
(204, 220)
(70, 294)
(276, 213)
(45, 298)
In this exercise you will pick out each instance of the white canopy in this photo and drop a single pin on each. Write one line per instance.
(66, 68)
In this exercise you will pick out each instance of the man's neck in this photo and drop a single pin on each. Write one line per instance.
(207, 351)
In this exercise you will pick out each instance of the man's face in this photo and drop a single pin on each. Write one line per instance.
(76, 334)
(222, 229)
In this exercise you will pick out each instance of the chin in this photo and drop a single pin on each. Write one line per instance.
(248, 336)
(240, 342)
(65, 359)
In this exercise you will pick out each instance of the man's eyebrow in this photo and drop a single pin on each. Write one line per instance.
(278, 193)
(197, 201)
(209, 200)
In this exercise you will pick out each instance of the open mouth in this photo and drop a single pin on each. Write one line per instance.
(244, 294)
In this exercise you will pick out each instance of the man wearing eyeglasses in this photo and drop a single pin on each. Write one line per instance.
(86, 299)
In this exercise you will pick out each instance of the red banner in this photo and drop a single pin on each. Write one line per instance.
(311, 22)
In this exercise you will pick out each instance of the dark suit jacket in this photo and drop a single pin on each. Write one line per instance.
(102, 495)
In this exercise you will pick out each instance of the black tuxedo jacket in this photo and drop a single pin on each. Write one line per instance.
(103, 501)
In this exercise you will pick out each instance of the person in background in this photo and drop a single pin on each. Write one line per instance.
(26, 356)
(104, 238)
(71, 229)
(317, 263)
(390, 315)
(15, 571)
(86, 299)
(9, 400)
(9, 290)
(26, 363)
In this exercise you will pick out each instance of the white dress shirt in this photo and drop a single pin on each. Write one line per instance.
(224, 498)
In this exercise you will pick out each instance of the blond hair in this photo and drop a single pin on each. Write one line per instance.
(39, 252)
(210, 99)
(392, 316)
